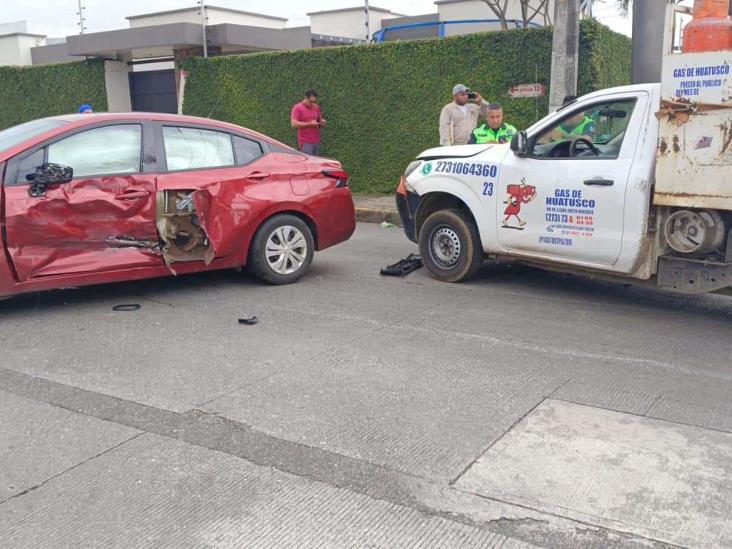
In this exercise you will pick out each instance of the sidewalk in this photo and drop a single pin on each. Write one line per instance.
(375, 209)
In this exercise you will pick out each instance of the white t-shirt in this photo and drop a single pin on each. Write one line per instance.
(464, 109)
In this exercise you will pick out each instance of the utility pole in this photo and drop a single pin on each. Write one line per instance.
(82, 19)
(565, 52)
(204, 20)
(649, 21)
(368, 27)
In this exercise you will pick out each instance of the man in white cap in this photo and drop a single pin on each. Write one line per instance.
(459, 118)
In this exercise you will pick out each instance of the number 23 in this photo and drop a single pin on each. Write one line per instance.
(487, 189)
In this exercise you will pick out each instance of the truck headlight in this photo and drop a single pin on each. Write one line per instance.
(413, 166)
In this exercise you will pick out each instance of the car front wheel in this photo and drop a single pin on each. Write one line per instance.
(282, 250)
(450, 246)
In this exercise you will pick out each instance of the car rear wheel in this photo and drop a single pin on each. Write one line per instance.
(282, 250)
(450, 246)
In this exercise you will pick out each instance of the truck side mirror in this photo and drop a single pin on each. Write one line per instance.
(49, 174)
(520, 143)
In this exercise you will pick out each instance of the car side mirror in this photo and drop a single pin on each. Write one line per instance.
(520, 143)
(47, 175)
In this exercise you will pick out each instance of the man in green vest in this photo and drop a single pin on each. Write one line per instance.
(494, 129)
(578, 126)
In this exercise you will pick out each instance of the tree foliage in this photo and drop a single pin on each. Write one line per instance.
(531, 11)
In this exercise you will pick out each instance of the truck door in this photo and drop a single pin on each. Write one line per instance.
(566, 199)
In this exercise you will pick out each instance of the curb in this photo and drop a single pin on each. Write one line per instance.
(377, 215)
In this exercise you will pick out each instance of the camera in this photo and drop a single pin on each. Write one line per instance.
(472, 95)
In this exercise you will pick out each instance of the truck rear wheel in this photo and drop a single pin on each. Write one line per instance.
(450, 246)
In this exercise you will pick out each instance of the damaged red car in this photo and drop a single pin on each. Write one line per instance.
(95, 198)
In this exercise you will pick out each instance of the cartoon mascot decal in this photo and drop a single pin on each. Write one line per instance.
(517, 195)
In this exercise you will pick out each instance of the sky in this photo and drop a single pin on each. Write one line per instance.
(58, 18)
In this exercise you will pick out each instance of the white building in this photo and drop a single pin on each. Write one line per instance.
(214, 16)
(451, 16)
(16, 42)
(456, 10)
(349, 22)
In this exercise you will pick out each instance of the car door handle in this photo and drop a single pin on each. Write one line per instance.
(259, 175)
(600, 182)
(132, 195)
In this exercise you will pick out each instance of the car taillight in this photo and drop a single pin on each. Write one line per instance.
(340, 176)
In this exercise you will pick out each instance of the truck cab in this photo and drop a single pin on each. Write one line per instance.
(574, 189)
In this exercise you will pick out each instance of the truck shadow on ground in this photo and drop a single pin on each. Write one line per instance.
(531, 281)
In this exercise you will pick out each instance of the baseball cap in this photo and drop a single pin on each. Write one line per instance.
(85, 107)
(459, 88)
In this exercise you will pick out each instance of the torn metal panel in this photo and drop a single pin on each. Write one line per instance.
(694, 156)
(180, 230)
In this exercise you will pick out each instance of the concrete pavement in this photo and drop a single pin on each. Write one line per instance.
(524, 408)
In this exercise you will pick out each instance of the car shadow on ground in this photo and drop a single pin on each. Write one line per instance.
(506, 278)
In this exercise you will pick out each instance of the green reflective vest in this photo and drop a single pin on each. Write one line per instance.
(580, 128)
(486, 134)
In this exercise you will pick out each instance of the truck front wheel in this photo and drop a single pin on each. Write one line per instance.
(450, 246)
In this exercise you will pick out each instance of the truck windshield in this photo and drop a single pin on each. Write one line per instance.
(17, 134)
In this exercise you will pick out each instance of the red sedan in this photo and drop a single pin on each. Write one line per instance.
(96, 198)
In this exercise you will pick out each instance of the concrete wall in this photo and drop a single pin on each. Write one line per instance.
(456, 10)
(117, 80)
(411, 34)
(215, 17)
(15, 49)
(348, 24)
(52, 53)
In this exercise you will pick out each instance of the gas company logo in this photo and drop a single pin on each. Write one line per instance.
(517, 196)
(426, 169)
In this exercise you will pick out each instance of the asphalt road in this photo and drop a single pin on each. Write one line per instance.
(524, 408)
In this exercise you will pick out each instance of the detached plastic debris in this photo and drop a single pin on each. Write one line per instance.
(403, 267)
(127, 307)
(386, 225)
(251, 321)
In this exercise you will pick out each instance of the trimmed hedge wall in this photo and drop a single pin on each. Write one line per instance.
(604, 58)
(382, 102)
(27, 93)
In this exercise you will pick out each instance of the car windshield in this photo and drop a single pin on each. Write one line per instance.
(17, 134)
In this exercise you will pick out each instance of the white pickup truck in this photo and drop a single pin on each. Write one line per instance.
(644, 196)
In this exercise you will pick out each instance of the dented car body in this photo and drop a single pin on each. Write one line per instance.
(152, 195)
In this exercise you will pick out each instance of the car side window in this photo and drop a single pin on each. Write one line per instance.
(27, 166)
(594, 132)
(195, 148)
(108, 150)
(246, 150)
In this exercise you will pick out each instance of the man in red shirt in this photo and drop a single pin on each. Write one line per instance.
(308, 120)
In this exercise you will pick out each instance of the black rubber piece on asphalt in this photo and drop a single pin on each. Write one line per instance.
(127, 307)
(403, 267)
(251, 321)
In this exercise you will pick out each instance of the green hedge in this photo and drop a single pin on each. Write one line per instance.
(382, 102)
(27, 93)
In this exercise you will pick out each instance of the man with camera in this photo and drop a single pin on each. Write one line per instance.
(459, 118)
(308, 119)
(494, 129)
